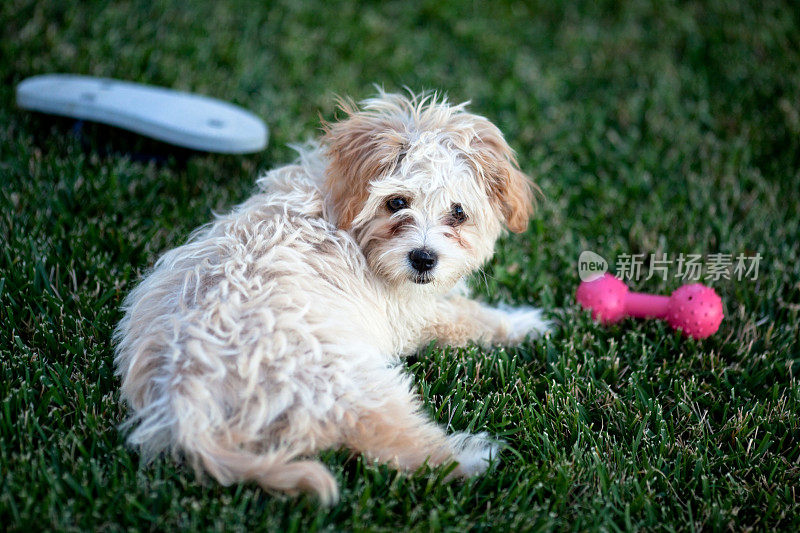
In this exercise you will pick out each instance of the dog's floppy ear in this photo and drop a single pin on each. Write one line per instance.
(360, 148)
(506, 185)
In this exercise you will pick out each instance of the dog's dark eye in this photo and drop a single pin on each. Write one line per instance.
(396, 204)
(458, 214)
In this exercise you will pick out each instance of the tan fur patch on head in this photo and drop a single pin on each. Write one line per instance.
(512, 190)
(360, 148)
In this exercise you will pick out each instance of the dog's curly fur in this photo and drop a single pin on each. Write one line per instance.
(276, 330)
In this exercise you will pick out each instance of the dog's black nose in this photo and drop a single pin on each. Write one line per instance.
(422, 259)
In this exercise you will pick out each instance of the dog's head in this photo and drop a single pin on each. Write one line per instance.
(424, 186)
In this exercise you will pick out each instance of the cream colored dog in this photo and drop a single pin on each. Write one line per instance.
(275, 332)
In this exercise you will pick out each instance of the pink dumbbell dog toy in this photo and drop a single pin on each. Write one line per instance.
(694, 309)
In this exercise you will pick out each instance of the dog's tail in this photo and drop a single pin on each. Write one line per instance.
(277, 470)
(166, 418)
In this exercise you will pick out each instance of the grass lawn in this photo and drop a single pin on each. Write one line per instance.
(650, 129)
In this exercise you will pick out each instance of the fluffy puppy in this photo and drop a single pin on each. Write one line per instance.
(275, 331)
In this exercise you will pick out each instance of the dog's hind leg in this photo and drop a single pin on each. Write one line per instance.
(395, 432)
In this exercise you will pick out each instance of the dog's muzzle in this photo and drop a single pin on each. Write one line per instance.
(422, 260)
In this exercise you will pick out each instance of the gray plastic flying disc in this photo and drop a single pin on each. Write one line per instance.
(175, 117)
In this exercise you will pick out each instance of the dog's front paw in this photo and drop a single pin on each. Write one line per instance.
(474, 453)
(524, 322)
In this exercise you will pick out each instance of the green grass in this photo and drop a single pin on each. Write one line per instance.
(650, 128)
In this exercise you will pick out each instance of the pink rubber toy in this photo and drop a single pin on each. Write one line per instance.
(694, 309)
